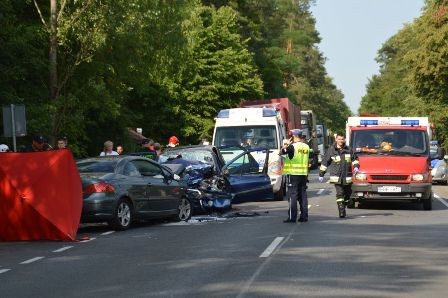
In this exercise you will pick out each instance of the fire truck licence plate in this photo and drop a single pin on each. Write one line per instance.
(389, 189)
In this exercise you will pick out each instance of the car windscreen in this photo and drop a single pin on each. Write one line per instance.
(205, 156)
(96, 166)
(390, 141)
(264, 136)
(229, 153)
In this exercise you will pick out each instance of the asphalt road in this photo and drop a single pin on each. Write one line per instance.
(380, 250)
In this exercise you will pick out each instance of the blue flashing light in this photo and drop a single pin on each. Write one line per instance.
(223, 113)
(409, 122)
(269, 112)
(368, 122)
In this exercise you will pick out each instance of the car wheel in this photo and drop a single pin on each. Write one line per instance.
(427, 204)
(184, 210)
(123, 216)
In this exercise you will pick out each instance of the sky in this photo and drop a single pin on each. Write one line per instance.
(352, 32)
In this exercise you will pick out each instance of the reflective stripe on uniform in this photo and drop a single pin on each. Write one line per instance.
(323, 168)
(339, 199)
(348, 179)
(355, 162)
(348, 158)
(336, 158)
(334, 179)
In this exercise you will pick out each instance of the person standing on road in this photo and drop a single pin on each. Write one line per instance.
(173, 141)
(296, 171)
(339, 160)
(120, 149)
(148, 149)
(4, 148)
(108, 149)
(62, 143)
(158, 149)
(39, 144)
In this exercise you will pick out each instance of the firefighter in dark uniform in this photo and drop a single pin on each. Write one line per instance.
(339, 160)
(296, 171)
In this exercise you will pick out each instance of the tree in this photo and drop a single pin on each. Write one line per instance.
(221, 71)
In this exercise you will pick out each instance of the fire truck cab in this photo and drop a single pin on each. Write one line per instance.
(394, 158)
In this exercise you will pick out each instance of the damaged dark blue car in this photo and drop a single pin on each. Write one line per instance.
(214, 184)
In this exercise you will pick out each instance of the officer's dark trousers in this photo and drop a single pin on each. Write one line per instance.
(343, 192)
(297, 192)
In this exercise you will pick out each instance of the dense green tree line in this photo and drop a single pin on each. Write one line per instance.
(413, 78)
(91, 69)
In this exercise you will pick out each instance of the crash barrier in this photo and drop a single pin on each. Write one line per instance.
(40, 196)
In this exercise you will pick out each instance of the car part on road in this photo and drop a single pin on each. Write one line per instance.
(427, 204)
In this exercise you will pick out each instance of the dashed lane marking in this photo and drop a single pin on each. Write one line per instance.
(4, 270)
(32, 260)
(268, 251)
(320, 191)
(441, 200)
(107, 233)
(62, 249)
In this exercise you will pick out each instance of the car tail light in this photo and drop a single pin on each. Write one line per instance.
(99, 187)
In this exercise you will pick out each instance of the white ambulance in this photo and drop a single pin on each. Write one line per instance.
(257, 128)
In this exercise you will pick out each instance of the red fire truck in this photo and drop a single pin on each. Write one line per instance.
(394, 159)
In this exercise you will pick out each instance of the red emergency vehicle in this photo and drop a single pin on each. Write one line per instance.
(394, 158)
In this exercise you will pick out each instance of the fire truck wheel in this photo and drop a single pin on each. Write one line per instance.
(427, 204)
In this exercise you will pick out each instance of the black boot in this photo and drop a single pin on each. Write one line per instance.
(341, 208)
(350, 203)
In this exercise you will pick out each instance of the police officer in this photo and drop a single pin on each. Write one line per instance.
(296, 171)
(339, 159)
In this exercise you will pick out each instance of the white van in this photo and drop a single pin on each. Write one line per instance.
(263, 127)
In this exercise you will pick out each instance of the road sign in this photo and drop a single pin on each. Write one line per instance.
(14, 120)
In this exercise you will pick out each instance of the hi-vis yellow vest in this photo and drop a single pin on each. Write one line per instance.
(298, 165)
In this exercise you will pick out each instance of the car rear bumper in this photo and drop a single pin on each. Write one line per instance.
(413, 191)
(98, 207)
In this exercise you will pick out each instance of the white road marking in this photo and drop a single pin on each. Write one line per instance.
(62, 249)
(441, 200)
(32, 260)
(4, 270)
(87, 240)
(260, 268)
(107, 233)
(267, 252)
(320, 191)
